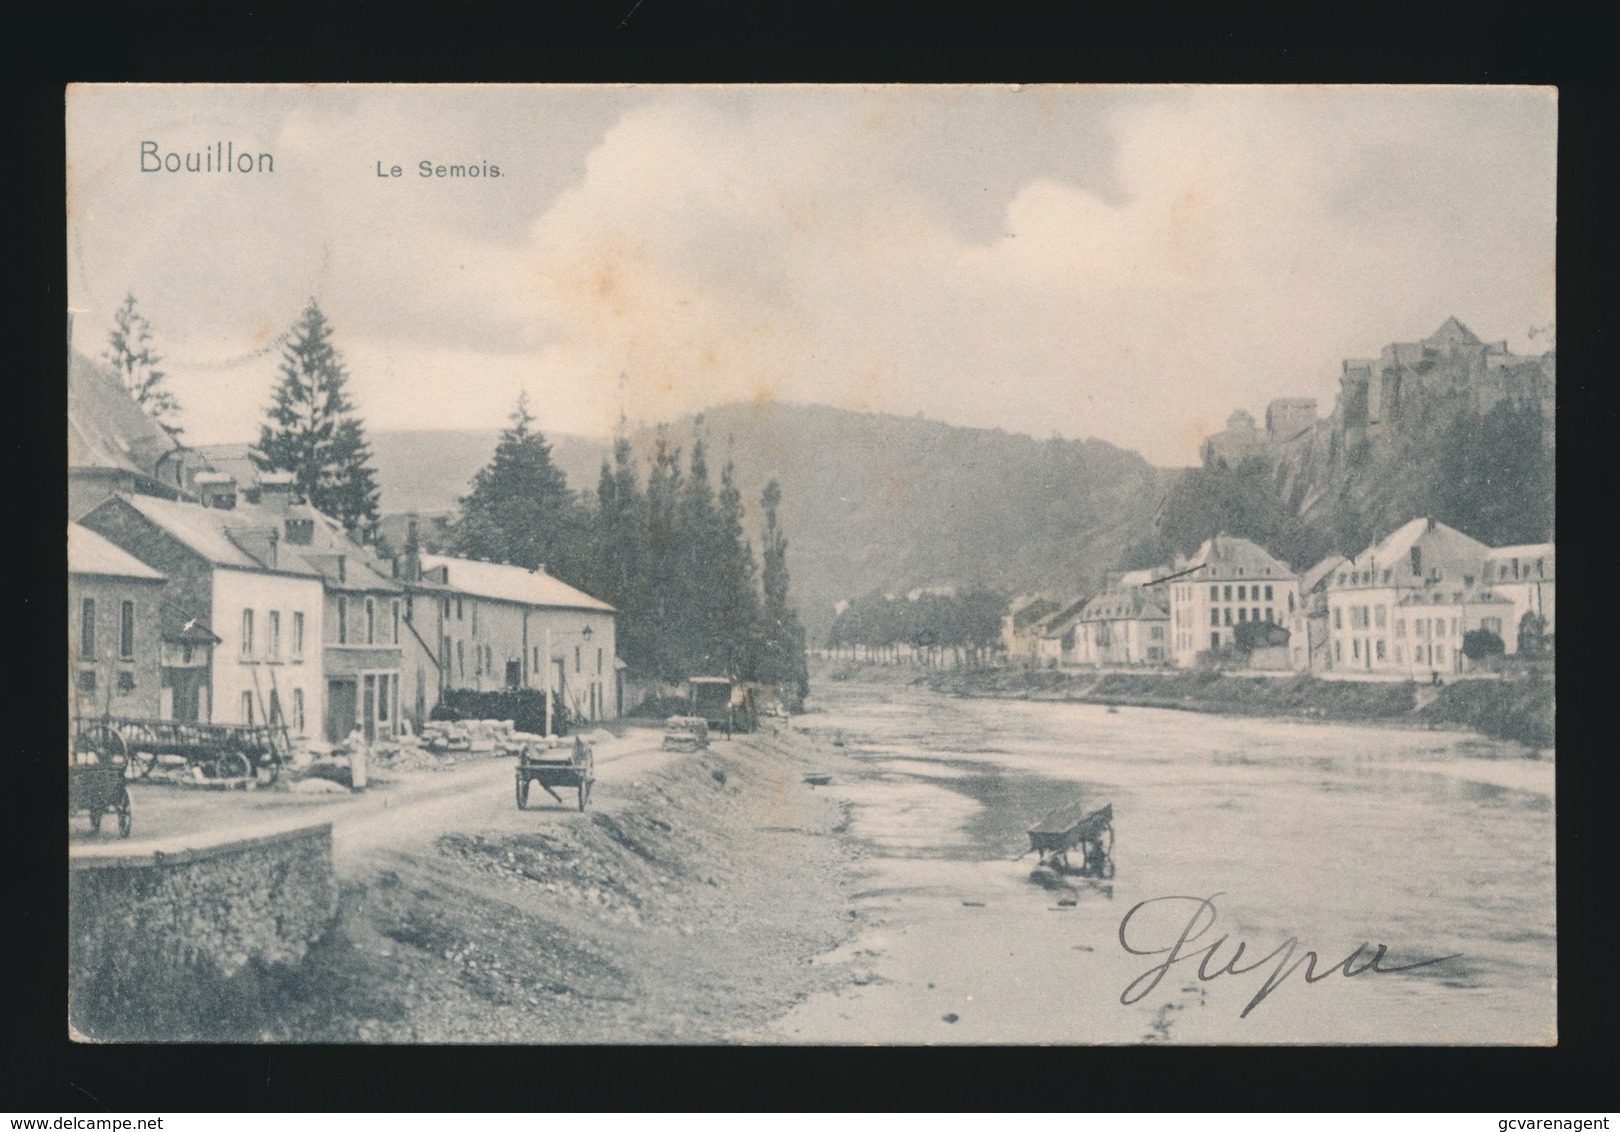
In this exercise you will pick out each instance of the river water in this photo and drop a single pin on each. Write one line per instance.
(1432, 843)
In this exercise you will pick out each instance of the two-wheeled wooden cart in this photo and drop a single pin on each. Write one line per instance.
(96, 786)
(1074, 827)
(217, 750)
(573, 769)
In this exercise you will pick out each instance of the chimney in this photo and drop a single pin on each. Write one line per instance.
(413, 554)
(276, 491)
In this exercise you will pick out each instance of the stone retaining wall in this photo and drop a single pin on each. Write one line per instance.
(159, 939)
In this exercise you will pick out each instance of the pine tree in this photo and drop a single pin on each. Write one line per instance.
(129, 351)
(313, 431)
(736, 577)
(520, 509)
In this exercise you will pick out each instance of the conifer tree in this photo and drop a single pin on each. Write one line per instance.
(520, 509)
(130, 353)
(313, 431)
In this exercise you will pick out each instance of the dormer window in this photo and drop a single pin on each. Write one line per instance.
(1417, 562)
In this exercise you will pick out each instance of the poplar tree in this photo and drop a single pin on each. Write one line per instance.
(783, 660)
(313, 431)
(129, 352)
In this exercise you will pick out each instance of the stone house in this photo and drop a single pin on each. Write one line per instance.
(1227, 582)
(114, 603)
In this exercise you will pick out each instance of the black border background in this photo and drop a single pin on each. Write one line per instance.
(663, 41)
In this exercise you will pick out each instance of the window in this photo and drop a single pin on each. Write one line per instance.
(395, 639)
(1290, 603)
(461, 658)
(1491, 625)
(576, 658)
(1338, 650)
(371, 622)
(1338, 621)
(475, 619)
(1268, 593)
(1228, 593)
(126, 630)
(1214, 593)
(1398, 654)
(87, 629)
(1254, 614)
(1228, 617)
(1214, 617)
(298, 710)
(1439, 626)
(1243, 614)
(458, 609)
(1341, 579)
(126, 683)
(1243, 593)
(1269, 616)
(1158, 634)
(1439, 654)
(1378, 616)
(410, 607)
(298, 636)
(447, 609)
(87, 680)
(478, 660)
(1400, 629)
(247, 633)
(382, 700)
(1378, 647)
(247, 708)
(275, 708)
(536, 668)
(1355, 648)
(273, 630)
(1454, 627)
(343, 620)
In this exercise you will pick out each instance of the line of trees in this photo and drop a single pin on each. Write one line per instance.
(969, 621)
(669, 550)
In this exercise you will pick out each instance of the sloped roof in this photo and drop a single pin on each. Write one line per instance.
(1133, 603)
(1229, 550)
(106, 428)
(1398, 543)
(1452, 330)
(1311, 578)
(512, 583)
(89, 553)
(1523, 550)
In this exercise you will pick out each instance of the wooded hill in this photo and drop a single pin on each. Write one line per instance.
(869, 501)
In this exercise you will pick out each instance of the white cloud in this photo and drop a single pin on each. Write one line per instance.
(1162, 257)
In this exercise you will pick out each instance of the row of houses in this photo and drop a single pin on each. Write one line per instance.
(1399, 608)
(195, 596)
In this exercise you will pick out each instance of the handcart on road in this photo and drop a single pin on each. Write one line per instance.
(573, 769)
(1074, 827)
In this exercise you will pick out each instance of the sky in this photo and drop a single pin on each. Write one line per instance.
(1124, 262)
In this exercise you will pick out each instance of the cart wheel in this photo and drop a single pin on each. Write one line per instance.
(140, 764)
(1107, 840)
(123, 815)
(268, 771)
(522, 792)
(232, 764)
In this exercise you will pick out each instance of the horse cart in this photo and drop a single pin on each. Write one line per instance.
(575, 770)
(1073, 827)
(225, 751)
(96, 787)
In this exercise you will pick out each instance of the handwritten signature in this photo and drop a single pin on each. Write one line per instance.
(1202, 920)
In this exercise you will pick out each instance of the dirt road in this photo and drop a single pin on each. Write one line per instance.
(685, 905)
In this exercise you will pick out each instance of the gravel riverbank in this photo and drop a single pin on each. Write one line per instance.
(685, 906)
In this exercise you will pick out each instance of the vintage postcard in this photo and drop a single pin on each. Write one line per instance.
(807, 564)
